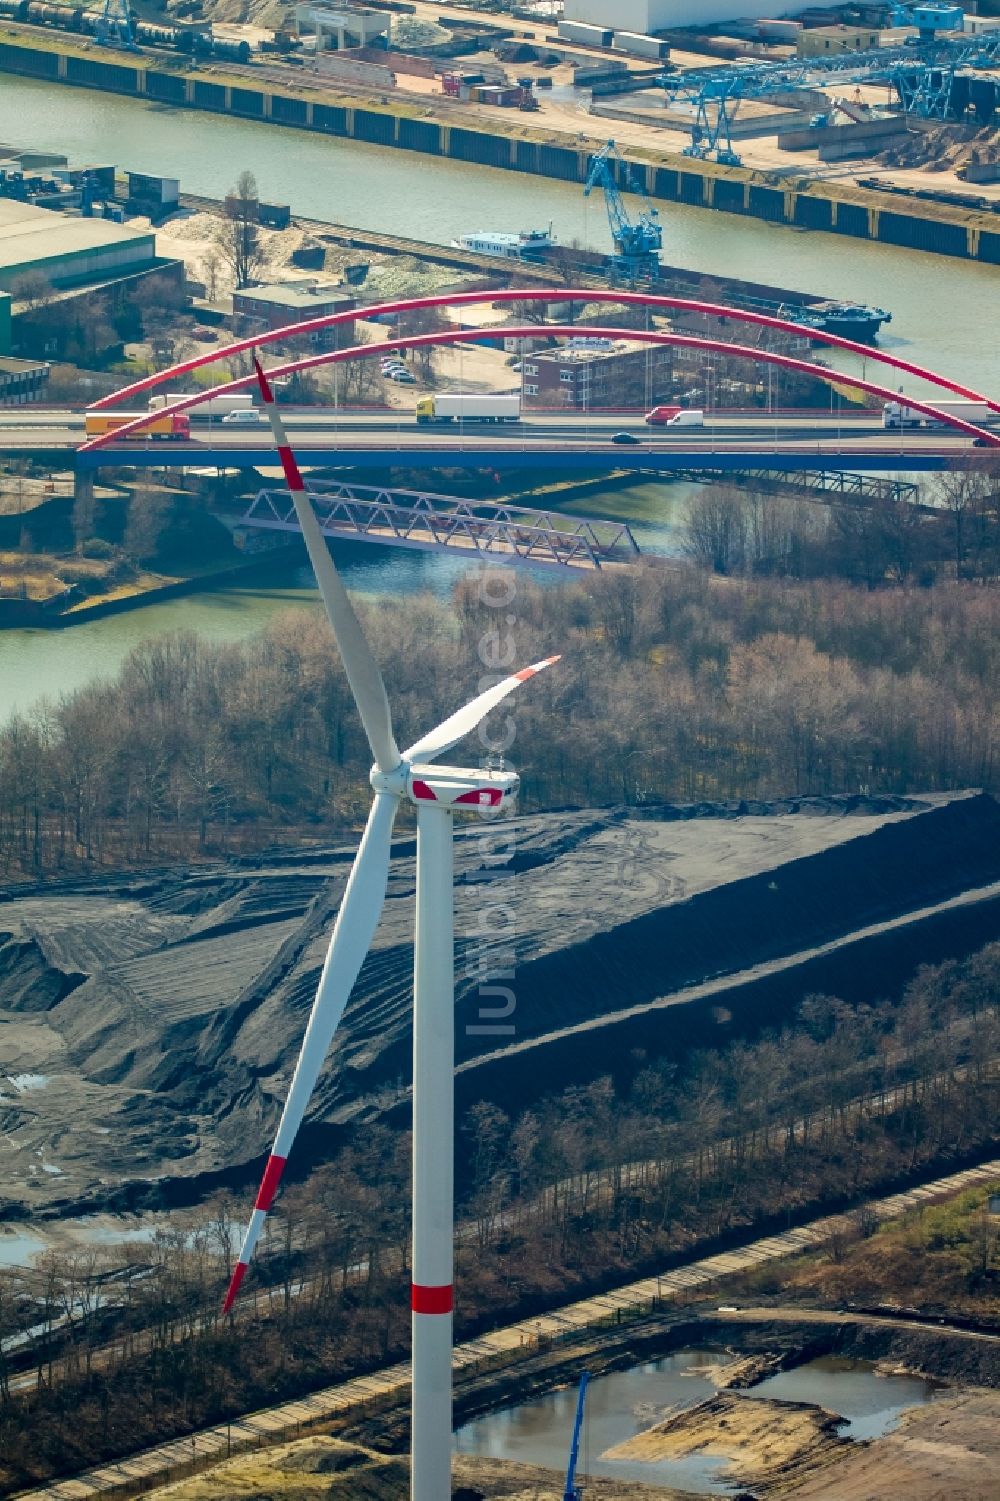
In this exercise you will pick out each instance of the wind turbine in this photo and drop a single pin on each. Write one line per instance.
(437, 792)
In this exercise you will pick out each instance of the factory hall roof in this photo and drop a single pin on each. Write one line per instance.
(29, 234)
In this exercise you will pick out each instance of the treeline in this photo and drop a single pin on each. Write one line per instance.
(673, 685)
(593, 1187)
(954, 534)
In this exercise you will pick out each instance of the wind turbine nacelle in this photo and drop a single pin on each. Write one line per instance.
(462, 789)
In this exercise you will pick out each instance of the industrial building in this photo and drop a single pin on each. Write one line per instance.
(342, 26)
(586, 379)
(668, 15)
(270, 307)
(21, 381)
(68, 251)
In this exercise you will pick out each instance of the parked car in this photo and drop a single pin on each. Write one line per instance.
(202, 331)
(625, 438)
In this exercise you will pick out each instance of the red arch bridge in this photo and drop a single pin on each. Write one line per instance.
(568, 441)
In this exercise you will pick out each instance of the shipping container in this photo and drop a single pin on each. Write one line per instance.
(582, 31)
(162, 191)
(638, 44)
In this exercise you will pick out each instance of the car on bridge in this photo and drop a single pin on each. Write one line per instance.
(625, 438)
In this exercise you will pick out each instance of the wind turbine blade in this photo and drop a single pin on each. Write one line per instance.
(464, 720)
(362, 670)
(352, 935)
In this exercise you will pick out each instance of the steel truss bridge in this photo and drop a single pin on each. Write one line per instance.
(427, 522)
(837, 484)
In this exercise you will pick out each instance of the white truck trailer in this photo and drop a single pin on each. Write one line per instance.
(462, 406)
(898, 414)
(216, 406)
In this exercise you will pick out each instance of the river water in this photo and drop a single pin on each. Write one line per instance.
(628, 1402)
(941, 309)
(37, 664)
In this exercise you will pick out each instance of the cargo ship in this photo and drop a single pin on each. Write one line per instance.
(850, 320)
(524, 245)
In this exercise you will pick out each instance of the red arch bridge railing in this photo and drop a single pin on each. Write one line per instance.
(468, 336)
(553, 295)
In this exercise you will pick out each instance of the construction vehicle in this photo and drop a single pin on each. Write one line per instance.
(637, 245)
(572, 1491)
(463, 406)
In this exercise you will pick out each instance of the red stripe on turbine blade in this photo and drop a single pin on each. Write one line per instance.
(431, 1299)
(262, 381)
(239, 1272)
(529, 672)
(269, 1182)
(293, 478)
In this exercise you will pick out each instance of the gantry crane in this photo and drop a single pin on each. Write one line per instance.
(637, 245)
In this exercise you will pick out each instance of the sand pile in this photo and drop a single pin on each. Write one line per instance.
(760, 1442)
(945, 149)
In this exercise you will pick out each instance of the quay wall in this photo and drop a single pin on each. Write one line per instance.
(856, 213)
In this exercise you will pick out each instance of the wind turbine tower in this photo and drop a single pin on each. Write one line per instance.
(437, 793)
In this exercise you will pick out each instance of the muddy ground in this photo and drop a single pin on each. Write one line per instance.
(149, 1021)
(948, 1450)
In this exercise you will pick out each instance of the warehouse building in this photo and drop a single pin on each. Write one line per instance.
(66, 250)
(669, 15)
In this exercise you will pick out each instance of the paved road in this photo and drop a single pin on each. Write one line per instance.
(807, 435)
(391, 1385)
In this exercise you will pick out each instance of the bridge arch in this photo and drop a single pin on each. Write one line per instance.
(468, 336)
(652, 300)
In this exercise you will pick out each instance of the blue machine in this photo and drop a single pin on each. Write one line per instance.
(921, 70)
(929, 19)
(114, 25)
(637, 246)
(573, 1491)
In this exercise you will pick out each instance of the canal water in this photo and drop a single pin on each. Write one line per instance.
(941, 308)
(36, 664)
(628, 1402)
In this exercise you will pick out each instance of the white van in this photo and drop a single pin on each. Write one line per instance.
(244, 417)
(687, 419)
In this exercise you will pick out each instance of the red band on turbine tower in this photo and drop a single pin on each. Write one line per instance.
(431, 1299)
(269, 1183)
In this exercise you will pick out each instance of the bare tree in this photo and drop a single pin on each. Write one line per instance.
(239, 234)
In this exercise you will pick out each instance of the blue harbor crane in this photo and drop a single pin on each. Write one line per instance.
(572, 1491)
(637, 245)
(114, 25)
(921, 70)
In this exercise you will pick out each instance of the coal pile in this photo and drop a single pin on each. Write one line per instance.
(150, 1023)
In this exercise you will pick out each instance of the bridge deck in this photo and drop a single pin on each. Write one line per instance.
(427, 522)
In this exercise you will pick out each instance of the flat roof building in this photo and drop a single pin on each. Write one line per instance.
(590, 378)
(66, 250)
(668, 15)
(21, 381)
(275, 306)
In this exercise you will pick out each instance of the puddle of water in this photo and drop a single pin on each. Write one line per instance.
(20, 1247)
(628, 1402)
(871, 1403)
(618, 1406)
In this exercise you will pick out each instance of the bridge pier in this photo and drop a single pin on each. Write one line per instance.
(84, 505)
